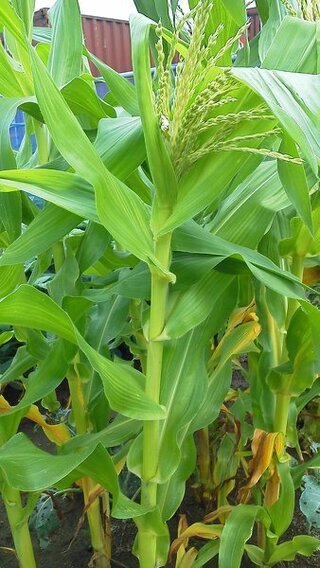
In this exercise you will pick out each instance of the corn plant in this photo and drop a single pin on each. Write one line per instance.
(173, 208)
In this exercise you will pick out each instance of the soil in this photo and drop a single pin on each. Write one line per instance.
(65, 551)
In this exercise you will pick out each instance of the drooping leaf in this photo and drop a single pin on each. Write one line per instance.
(120, 210)
(120, 382)
(305, 545)
(285, 94)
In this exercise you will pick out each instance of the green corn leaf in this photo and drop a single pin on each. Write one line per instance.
(276, 14)
(50, 225)
(257, 200)
(22, 362)
(294, 47)
(10, 277)
(236, 10)
(49, 374)
(93, 244)
(11, 214)
(5, 337)
(192, 238)
(66, 48)
(294, 180)
(305, 545)
(196, 191)
(42, 35)
(64, 189)
(100, 467)
(8, 109)
(84, 102)
(282, 511)
(13, 23)
(237, 530)
(120, 210)
(10, 79)
(190, 308)
(122, 90)
(66, 283)
(206, 553)
(299, 470)
(16, 35)
(284, 93)
(148, 8)
(263, 7)
(171, 494)
(25, 9)
(231, 15)
(255, 553)
(304, 398)
(135, 284)
(14, 307)
(42, 470)
(116, 139)
(122, 384)
(119, 431)
(159, 161)
(28, 468)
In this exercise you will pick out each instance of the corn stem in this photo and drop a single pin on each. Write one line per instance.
(100, 543)
(19, 527)
(151, 430)
(281, 413)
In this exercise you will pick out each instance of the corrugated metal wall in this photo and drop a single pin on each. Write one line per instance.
(254, 23)
(106, 38)
(110, 39)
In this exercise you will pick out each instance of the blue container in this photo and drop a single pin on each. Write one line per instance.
(17, 130)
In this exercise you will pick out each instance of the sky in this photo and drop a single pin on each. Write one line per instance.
(109, 8)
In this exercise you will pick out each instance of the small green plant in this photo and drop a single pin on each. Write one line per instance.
(310, 500)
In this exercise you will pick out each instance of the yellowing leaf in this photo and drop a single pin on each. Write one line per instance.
(243, 315)
(182, 527)
(187, 561)
(199, 530)
(264, 446)
(56, 433)
(311, 275)
(4, 405)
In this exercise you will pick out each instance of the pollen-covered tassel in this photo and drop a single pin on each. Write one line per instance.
(289, 7)
(189, 70)
(162, 99)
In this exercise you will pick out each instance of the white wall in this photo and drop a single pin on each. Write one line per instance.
(109, 8)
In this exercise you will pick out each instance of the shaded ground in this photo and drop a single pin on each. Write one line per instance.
(64, 552)
(59, 553)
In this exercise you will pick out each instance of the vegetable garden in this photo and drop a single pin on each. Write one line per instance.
(159, 307)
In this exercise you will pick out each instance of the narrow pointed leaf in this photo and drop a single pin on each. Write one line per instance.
(294, 181)
(121, 211)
